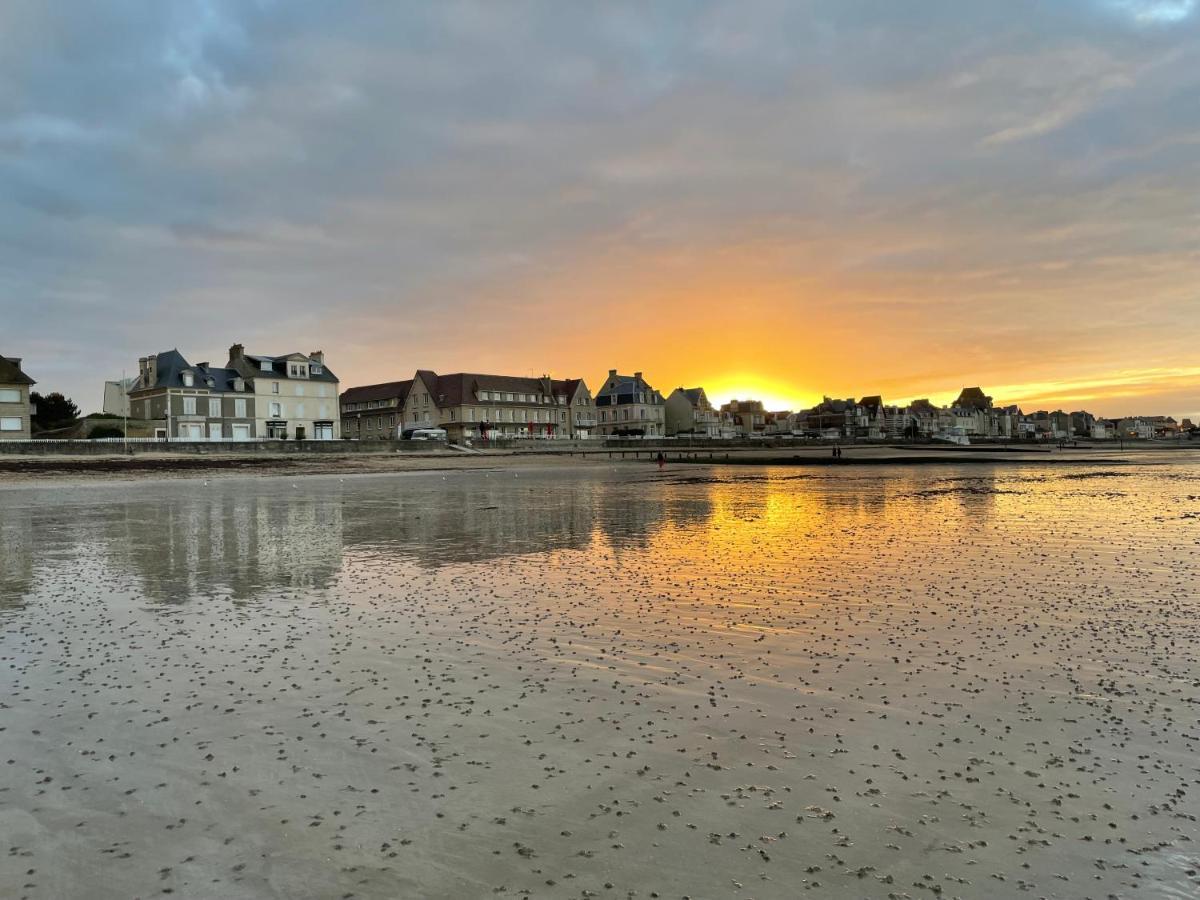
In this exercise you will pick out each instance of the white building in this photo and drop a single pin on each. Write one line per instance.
(295, 395)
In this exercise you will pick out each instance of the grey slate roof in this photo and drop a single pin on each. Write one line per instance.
(171, 366)
(279, 368)
(621, 389)
(10, 372)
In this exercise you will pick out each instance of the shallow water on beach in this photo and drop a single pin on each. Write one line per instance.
(720, 682)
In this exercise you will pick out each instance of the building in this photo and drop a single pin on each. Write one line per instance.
(116, 397)
(194, 402)
(373, 410)
(471, 406)
(832, 419)
(743, 418)
(15, 408)
(688, 412)
(779, 422)
(924, 418)
(295, 395)
(629, 407)
(872, 417)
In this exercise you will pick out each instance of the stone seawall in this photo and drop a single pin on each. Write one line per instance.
(208, 448)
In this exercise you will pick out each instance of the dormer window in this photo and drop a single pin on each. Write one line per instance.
(264, 365)
(188, 379)
(316, 369)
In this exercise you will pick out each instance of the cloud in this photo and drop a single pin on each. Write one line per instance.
(872, 196)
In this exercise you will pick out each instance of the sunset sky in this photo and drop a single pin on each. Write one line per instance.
(778, 199)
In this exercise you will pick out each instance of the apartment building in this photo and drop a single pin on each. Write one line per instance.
(374, 410)
(194, 402)
(743, 418)
(471, 406)
(629, 407)
(295, 394)
(687, 411)
(15, 408)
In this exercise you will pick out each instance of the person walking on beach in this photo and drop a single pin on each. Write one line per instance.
(661, 460)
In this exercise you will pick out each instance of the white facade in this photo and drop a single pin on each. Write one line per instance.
(295, 396)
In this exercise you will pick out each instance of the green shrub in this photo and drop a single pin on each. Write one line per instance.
(105, 431)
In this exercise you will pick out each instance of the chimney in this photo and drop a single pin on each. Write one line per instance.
(151, 371)
(612, 373)
(236, 352)
(318, 356)
(637, 376)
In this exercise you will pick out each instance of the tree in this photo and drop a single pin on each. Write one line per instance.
(53, 410)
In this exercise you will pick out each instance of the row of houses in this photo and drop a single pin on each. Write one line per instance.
(296, 396)
(471, 406)
(971, 415)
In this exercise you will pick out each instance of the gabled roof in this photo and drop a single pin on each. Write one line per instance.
(10, 372)
(459, 388)
(973, 398)
(252, 366)
(389, 390)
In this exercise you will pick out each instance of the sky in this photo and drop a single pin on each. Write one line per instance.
(779, 200)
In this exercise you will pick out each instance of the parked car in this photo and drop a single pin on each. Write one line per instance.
(424, 434)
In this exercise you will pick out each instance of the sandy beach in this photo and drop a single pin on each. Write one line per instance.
(554, 680)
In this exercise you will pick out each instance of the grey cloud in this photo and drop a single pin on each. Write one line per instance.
(414, 165)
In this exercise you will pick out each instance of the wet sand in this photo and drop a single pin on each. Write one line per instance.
(605, 681)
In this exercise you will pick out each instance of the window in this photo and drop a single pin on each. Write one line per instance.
(189, 406)
(239, 408)
(10, 395)
(299, 390)
(188, 379)
(316, 369)
(453, 414)
(10, 423)
(299, 410)
(265, 365)
(276, 410)
(214, 408)
(274, 387)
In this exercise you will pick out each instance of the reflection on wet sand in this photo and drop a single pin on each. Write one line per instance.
(758, 683)
(183, 542)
